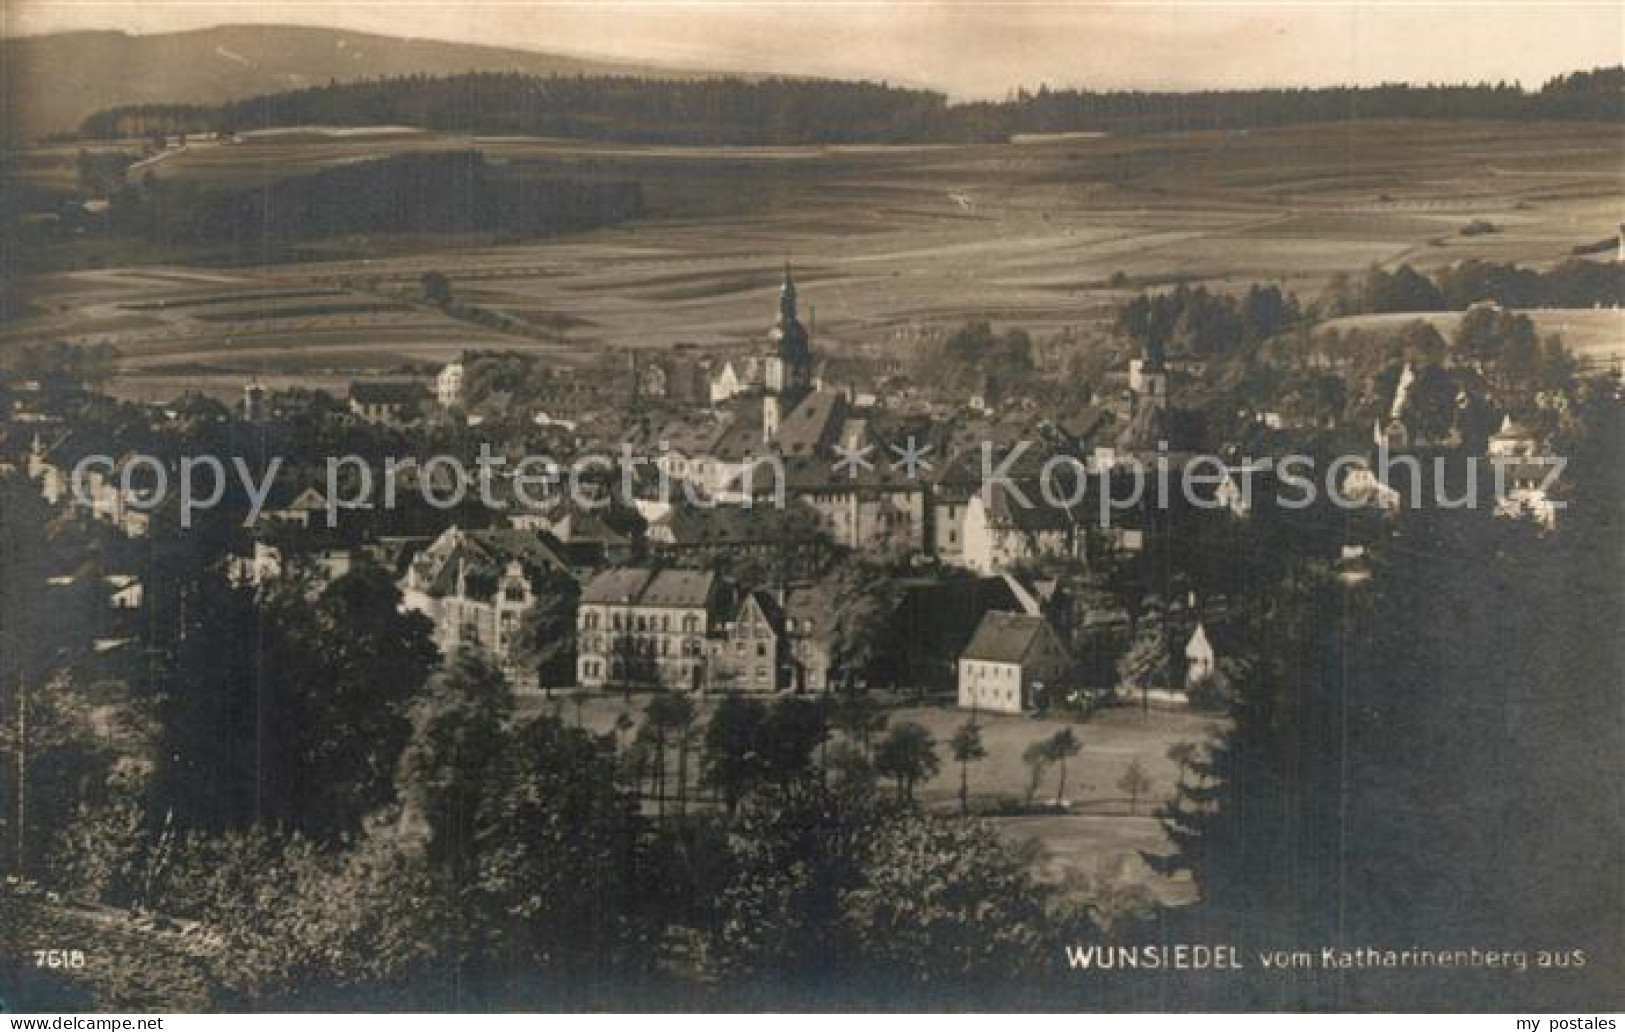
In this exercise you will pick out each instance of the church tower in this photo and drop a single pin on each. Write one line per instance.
(789, 366)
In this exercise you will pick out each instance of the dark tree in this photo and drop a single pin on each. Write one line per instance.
(907, 755)
(966, 746)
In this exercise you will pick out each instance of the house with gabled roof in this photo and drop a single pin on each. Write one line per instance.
(1012, 665)
(1210, 642)
(295, 501)
(475, 585)
(748, 652)
(809, 626)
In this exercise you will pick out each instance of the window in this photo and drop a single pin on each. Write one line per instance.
(591, 623)
(761, 648)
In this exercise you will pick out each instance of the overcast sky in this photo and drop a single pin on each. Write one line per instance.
(969, 49)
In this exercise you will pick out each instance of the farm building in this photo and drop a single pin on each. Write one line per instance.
(1012, 661)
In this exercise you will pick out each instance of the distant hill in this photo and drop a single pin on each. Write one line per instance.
(50, 83)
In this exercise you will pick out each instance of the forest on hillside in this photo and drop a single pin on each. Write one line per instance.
(451, 192)
(805, 111)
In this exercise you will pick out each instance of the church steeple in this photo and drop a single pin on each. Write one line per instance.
(789, 366)
(787, 297)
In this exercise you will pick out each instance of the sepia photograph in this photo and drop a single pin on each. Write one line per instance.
(797, 507)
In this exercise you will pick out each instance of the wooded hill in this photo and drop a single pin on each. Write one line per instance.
(795, 111)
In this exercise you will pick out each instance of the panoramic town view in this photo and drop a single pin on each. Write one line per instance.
(485, 530)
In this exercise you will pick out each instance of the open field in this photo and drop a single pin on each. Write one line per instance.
(886, 240)
(1100, 828)
(170, 323)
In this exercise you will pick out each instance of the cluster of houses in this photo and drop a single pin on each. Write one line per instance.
(660, 604)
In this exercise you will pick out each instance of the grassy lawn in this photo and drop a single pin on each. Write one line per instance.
(1112, 739)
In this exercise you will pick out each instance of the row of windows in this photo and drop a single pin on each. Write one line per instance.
(993, 671)
(595, 669)
(645, 624)
(984, 694)
(663, 646)
(690, 625)
(647, 646)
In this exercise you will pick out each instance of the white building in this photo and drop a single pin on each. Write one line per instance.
(448, 385)
(1012, 664)
(999, 532)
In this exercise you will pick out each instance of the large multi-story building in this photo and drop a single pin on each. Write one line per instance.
(476, 586)
(644, 628)
(683, 630)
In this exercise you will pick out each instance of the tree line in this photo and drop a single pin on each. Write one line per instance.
(449, 192)
(1575, 283)
(1199, 322)
(790, 111)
